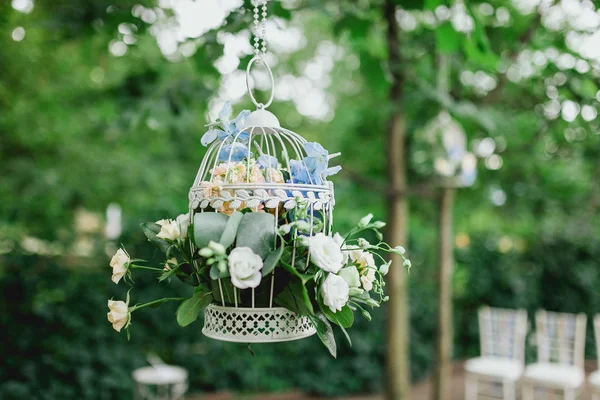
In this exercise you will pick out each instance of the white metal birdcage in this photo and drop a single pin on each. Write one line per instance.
(262, 167)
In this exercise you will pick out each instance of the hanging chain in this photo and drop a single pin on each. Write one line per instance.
(260, 28)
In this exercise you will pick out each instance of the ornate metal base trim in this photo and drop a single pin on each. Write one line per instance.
(255, 325)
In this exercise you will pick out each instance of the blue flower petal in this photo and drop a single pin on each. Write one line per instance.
(299, 173)
(209, 137)
(234, 153)
(225, 114)
(331, 171)
(314, 149)
(266, 161)
(240, 120)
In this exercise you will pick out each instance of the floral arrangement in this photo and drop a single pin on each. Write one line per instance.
(231, 255)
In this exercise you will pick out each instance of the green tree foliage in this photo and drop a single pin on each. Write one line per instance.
(81, 128)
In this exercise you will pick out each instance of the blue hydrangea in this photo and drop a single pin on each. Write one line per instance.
(266, 161)
(232, 129)
(233, 152)
(314, 167)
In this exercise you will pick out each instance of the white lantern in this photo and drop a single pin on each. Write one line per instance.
(160, 382)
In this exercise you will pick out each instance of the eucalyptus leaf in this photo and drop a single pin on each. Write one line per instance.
(257, 231)
(231, 229)
(208, 226)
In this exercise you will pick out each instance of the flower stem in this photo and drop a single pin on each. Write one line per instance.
(138, 306)
(144, 267)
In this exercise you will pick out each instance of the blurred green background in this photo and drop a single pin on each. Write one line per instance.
(102, 106)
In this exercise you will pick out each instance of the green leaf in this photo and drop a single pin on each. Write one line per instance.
(447, 39)
(295, 298)
(188, 311)
(231, 229)
(343, 318)
(208, 226)
(325, 332)
(303, 277)
(167, 274)
(151, 229)
(272, 259)
(257, 231)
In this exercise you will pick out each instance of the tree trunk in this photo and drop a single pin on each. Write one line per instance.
(443, 348)
(398, 367)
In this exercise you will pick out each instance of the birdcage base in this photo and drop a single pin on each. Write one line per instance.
(255, 325)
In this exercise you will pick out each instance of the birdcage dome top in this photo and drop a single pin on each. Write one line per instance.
(252, 162)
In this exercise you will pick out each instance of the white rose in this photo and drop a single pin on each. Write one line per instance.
(184, 223)
(339, 240)
(119, 263)
(326, 253)
(368, 278)
(169, 229)
(118, 315)
(244, 268)
(335, 292)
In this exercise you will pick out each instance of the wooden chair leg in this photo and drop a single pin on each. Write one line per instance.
(471, 387)
(527, 391)
(570, 394)
(509, 391)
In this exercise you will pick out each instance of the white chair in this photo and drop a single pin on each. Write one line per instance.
(595, 376)
(559, 367)
(502, 339)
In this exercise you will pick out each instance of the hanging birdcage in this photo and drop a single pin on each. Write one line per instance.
(255, 165)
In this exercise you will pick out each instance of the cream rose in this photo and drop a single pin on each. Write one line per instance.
(119, 314)
(326, 253)
(367, 278)
(274, 176)
(169, 229)
(334, 292)
(119, 263)
(170, 264)
(244, 268)
(184, 223)
(362, 258)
